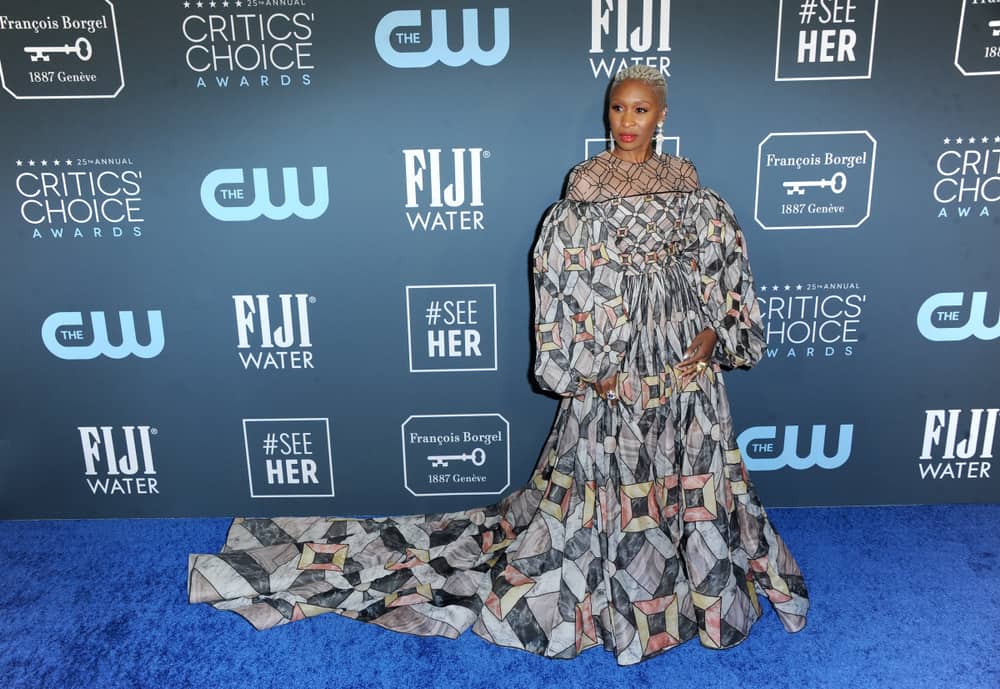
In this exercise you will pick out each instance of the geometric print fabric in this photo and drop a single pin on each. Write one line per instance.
(639, 528)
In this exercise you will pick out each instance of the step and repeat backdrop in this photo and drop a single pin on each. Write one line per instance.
(271, 257)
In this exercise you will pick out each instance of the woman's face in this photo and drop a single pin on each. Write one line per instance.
(634, 111)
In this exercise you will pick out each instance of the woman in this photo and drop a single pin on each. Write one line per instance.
(639, 528)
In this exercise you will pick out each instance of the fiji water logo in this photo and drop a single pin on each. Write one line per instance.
(227, 196)
(637, 34)
(402, 41)
(66, 337)
(263, 345)
(110, 473)
(444, 194)
(940, 318)
(763, 452)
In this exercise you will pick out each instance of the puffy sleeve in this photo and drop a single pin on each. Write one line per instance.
(728, 300)
(580, 320)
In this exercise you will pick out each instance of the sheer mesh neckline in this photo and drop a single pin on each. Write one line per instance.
(606, 176)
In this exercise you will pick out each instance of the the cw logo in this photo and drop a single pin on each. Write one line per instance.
(404, 26)
(758, 445)
(62, 329)
(941, 326)
(225, 182)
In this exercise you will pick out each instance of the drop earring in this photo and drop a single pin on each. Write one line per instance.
(659, 139)
(611, 141)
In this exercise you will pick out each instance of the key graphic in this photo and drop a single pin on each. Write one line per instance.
(477, 457)
(836, 184)
(82, 49)
(995, 25)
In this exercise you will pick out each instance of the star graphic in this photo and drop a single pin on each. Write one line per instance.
(31, 163)
(947, 140)
(958, 140)
(238, 3)
(972, 139)
(186, 4)
(69, 162)
(798, 288)
(56, 161)
(44, 163)
(199, 4)
(996, 139)
(763, 288)
(775, 288)
(225, 3)
(787, 287)
(20, 163)
(212, 4)
(985, 140)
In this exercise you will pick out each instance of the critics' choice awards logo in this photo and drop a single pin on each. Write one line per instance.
(289, 458)
(273, 334)
(811, 320)
(456, 454)
(825, 39)
(118, 460)
(814, 180)
(247, 44)
(68, 335)
(977, 52)
(444, 191)
(226, 195)
(767, 448)
(452, 327)
(967, 183)
(60, 49)
(405, 39)
(80, 198)
(957, 443)
(624, 33)
(957, 316)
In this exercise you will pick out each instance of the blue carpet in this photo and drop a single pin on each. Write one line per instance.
(903, 597)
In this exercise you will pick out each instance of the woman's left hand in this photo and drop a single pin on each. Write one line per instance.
(698, 355)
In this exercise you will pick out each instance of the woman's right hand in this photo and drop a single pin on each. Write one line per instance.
(608, 388)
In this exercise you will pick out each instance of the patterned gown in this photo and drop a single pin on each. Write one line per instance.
(639, 528)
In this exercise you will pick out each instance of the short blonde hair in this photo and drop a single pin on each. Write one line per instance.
(650, 76)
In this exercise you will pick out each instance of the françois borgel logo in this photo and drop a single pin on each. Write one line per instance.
(444, 190)
(977, 52)
(67, 197)
(456, 454)
(967, 183)
(814, 180)
(289, 458)
(118, 460)
(764, 448)
(404, 39)
(812, 320)
(452, 327)
(273, 334)
(825, 39)
(226, 195)
(957, 316)
(60, 49)
(248, 44)
(68, 335)
(624, 34)
(957, 443)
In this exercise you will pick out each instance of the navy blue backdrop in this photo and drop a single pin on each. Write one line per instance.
(271, 257)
